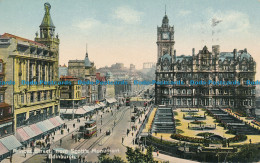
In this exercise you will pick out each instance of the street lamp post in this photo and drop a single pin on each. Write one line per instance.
(73, 109)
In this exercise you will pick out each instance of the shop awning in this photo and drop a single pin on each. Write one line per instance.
(59, 120)
(48, 124)
(21, 135)
(29, 132)
(88, 108)
(42, 127)
(80, 111)
(36, 129)
(111, 100)
(54, 122)
(96, 106)
(10, 142)
(5, 124)
(63, 111)
(102, 104)
(3, 149)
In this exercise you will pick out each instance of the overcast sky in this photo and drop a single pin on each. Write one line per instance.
(125, 31)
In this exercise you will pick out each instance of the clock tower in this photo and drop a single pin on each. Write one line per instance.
(166, 58)
(165, 39)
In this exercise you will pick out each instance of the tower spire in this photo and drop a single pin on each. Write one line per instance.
(165, 10)
(86, 49)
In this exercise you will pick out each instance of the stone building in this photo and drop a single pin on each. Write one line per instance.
(32, 61)
(101, 87)
(71, 94)
(86, 71)
(6, 113)
(63, 70)
(204, 66)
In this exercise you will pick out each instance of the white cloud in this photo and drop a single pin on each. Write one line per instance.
(127, 15)
(184, 12)
(233, 21)
(88, 23)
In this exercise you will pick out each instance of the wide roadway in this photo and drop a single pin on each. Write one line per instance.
(119, 121)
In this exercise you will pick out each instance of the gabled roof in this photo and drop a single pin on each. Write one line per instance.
(8, 35)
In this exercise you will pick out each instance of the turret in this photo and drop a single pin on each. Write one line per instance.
(47, 30)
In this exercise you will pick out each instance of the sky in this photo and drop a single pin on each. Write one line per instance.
(125, 31)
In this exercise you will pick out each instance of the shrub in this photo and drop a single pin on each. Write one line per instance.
(198, 122)
(205, 134)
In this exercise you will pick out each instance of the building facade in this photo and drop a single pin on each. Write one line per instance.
(71, 93)
(6, 113)
(86, 71)
(63, 70)
(237, 67)
(32, 61)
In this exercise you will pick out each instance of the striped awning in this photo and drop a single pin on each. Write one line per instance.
(48, 124)
(36, 129)
(10, 142)
(3, 149)
(29, 131)
(21, 135)
(59, 120)
(41, 126)
(54, 122)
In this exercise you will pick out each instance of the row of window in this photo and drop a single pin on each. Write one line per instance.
(37, 71)
(36, 116)
(170, 91)
(37, 96)
(205, 102)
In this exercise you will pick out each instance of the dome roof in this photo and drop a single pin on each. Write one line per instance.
(165, 20)
(87, 61)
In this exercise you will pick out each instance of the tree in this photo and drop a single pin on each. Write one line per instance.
(104, 158)
(136, 156)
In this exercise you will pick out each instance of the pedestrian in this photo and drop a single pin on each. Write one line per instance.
(133, 141)
(73, 125)
(32, 150)
(68, 130)
(157, 153)
(80, 158)
(83, 159)
(122, 139)
(25, 154)
(132, 134)
(100, 130)
(60, 142)
(72, 136)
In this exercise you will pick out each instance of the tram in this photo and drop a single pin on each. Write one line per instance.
(128, 101)
(89, 129)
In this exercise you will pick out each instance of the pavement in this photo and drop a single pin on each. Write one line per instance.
(19, 155)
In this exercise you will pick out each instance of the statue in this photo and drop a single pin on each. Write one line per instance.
(36, 34)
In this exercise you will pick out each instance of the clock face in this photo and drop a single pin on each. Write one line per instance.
(165, 35)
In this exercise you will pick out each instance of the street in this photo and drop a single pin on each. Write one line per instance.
(116, 123)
